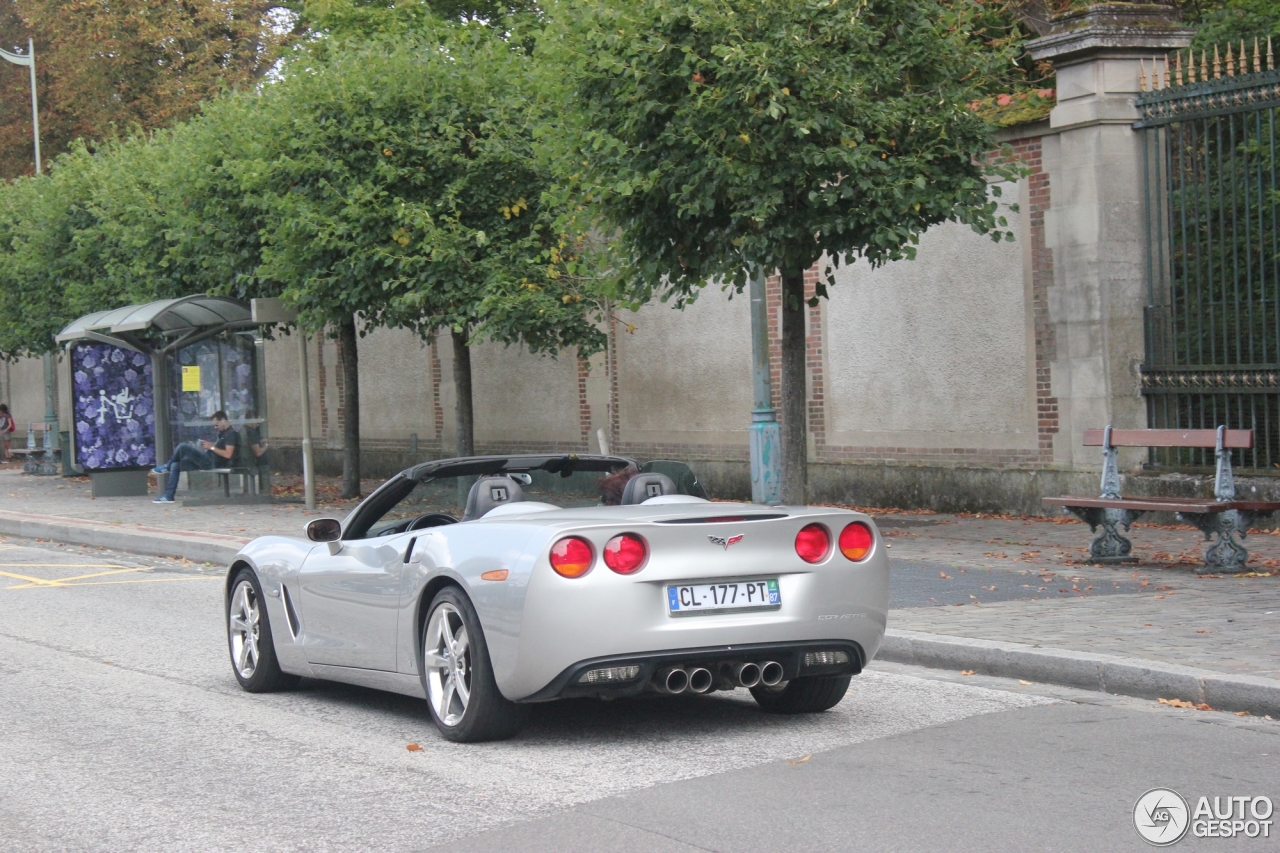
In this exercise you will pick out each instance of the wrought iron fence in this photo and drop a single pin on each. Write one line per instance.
(1213, 266)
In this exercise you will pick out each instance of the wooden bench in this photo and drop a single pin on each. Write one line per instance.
(1222, 514)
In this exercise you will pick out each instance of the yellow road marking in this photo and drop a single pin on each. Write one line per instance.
(38, 581)
(38, 584)
(116, 571)
(62, 565)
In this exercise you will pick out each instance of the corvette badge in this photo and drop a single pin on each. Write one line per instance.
(725, 543)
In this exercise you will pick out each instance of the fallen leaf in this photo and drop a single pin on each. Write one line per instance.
(1146, 624)
(801, 760)
(1242, 713)
(1143, 582)
(966, 672)
(413, 747)
(944, 575)
(1020, 681)
(1203, 631)
(1183, 703)
(1159, 596)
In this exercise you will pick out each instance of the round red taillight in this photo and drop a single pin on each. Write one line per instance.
(625, 553)
(856, 540)
(571, 557)
(812, 543)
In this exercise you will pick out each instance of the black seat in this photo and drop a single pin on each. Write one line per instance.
(641, 487)
(488, 492)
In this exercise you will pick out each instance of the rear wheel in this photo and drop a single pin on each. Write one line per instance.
(253, 654)
(457, 675)
(802, 695)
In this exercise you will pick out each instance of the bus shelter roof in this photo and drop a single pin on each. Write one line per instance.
(161, 327)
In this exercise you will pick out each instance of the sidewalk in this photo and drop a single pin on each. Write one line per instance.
(996, 595)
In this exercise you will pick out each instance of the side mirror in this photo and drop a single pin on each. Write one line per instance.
(324, 530)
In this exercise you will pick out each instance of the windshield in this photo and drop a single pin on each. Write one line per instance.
(407, 504)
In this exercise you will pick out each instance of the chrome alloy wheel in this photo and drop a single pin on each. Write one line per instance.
(446, 659)
(244, 626)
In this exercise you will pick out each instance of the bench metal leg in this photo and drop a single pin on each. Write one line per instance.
(1110, 546)
(1226, 554)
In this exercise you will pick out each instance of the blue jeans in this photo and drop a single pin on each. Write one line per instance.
(186, 456)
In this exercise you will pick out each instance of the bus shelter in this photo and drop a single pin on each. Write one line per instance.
(147, 377)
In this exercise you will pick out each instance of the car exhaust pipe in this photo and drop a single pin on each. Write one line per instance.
(771, 673)
(700, 680)
(746, 674)
(671, 680)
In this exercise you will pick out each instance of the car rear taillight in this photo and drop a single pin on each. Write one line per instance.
(855, 541)
(625, 553)
(812, 543)
(571, 557)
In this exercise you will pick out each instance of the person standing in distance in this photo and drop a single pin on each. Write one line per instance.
(200, 456)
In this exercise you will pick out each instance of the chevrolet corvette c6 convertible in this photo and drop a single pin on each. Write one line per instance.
(485, 584)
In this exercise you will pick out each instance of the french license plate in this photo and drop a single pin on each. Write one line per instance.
(696, 598)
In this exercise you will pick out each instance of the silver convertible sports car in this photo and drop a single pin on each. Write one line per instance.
(485, 584)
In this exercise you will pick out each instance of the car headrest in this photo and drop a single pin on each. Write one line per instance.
(641, 487)
(488, 492)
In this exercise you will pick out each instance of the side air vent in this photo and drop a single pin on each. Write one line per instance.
(722, 519)
(289, 613)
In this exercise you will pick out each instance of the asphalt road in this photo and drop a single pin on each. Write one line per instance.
(122, 728)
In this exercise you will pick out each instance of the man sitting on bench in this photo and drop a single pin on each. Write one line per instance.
(201, 455)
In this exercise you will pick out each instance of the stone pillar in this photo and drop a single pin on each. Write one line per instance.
(1095, 226)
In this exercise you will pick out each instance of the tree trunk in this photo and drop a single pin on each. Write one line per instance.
(795, 445)
(350, 408)
(462, 387)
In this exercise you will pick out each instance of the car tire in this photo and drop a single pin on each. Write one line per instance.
(802, 695)
(253, 653)
(457, 675)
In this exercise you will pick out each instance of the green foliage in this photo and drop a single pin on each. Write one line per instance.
(726, 133)
(405, 188)
(1219, 22)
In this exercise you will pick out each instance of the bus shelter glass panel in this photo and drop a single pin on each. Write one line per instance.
(112, 402)
(220, 374)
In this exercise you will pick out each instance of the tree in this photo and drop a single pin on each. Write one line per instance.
(404, 192)
(128, 63)
(729, 134)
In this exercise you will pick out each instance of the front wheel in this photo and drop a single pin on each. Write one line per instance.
(457, 675)
(803, 695)
(253, 654)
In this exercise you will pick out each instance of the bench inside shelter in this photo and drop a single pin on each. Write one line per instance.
(1222, 515)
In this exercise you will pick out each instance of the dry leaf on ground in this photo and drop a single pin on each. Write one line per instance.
(413, 747)
(966, 672)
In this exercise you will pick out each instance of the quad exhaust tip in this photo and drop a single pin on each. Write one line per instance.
(747, 674)
(700, 680)
(672, 680)
(771, 673)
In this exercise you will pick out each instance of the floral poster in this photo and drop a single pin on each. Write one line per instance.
(115, 418)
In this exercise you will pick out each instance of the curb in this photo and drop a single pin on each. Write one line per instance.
(1144, 679)
(198, 547)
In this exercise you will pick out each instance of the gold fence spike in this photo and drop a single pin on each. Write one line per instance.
(1244, 59)
(1270, 64)
(1217, 64)
(1142, 75)
(1257, 57)
(1231, 70)
(1178, 69)
(1204, 67)
(1191, 66)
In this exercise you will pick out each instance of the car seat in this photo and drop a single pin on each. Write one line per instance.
(641, 487)
(488, 492)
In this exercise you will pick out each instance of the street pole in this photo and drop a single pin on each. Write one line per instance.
(308, 462)
(50, 388)
(765, 436)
